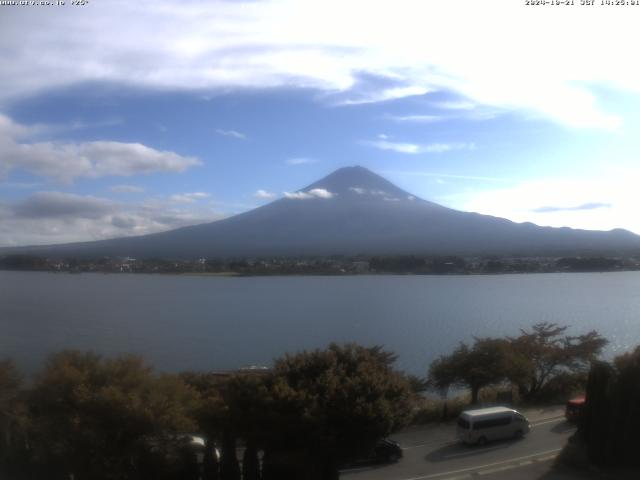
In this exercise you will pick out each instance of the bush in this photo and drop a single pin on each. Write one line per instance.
(432, 410)
(562, 387)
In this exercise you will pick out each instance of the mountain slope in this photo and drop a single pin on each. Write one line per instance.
(354, 211)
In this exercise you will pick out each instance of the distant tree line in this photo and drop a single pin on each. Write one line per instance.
(332, 265)
(90, 418)
(590, 264)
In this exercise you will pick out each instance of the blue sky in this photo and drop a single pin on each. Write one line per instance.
(130, 118)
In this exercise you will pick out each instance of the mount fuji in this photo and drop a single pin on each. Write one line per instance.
(352, 211)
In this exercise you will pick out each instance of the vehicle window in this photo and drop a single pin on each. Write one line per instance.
(491, 423)
(462, 423)
(520, 418)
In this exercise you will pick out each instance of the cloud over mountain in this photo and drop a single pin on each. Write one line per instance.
(220, 45)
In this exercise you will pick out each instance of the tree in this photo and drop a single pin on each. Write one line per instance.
(544, 352)
(611, 419)
(13, 420)
(417, 384)
(209, 415)
(441, 377)
(483, 364)
(328, 407)
(101, 419)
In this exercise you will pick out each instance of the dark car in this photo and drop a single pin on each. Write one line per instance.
(387, 451)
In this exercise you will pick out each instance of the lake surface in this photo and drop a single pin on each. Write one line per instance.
(214, 323)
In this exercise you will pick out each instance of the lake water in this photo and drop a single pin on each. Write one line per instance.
(214, 323)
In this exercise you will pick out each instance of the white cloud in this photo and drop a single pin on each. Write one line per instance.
(300, 161)
(297, 195)
(188, 197)
(410, 148)
(416, 148)
(419, 118)
(231, 133)
(459, 110)
(127, 189)
(375, 193)
(321, 193)
(455, 105)
(384, 95)
(446, 175)
(67, 161)
(264, 195)
(446, 147)
(607, 203)
(491, 53)
(59, 217)
(313, 193)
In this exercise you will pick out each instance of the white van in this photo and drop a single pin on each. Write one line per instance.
(486, 424)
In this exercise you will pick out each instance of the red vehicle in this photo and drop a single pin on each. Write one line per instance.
(574, 409)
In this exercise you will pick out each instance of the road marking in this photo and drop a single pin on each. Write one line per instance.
(480, 467)
(517, 465)
(547, 420)
(547, 458)
(432, 444)
(473, 451)
(496, 470)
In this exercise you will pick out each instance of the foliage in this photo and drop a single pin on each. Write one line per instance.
(13, 419)
(589, 264)
(483, 364)
(22, 262)
(544, 352)
(101, 419)
(542, 362)
(562, 386)
(418, 384)
(612, 417)
(400, 264)
(328, 407)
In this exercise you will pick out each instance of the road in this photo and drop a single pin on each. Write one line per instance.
(432, 453)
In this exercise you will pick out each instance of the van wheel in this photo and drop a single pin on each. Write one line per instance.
(518, 435)
(482, 441)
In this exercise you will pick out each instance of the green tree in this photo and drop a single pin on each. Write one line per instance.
(441, 377)
(611, 419)
(100, 419)
(209, 414)
(418, 384)
(232, 407)
(13, 421)
(484, 363)
(545, 351)
(328, 407)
